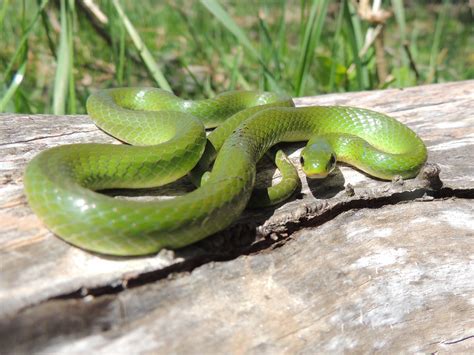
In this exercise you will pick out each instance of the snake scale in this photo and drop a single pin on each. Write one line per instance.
(167, 140)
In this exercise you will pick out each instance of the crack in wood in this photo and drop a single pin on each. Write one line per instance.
(449, 342)
(46, 137)
(422, 105)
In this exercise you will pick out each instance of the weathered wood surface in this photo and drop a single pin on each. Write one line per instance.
(351, 264)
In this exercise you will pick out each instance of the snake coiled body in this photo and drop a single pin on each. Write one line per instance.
(169, 139)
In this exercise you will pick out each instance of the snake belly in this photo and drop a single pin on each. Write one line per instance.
(169, 138)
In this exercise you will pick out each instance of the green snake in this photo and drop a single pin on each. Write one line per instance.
(167, 140)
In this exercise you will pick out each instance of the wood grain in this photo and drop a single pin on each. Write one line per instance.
(350, 264)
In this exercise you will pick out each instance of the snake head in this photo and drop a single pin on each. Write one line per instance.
(318, 159)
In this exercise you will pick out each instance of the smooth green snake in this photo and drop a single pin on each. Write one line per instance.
(168, 140)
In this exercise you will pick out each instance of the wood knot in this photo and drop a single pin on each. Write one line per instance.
(349, 189)
(429, 176)
(398, 181)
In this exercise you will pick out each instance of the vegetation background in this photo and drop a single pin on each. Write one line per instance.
(54, 53)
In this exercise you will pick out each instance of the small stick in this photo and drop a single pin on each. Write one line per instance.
(410, 58)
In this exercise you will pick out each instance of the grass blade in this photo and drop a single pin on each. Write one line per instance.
(116, 29)
(47, 29)
(70, 45)
(121, 57)
(184, 63)
(220, 14)
(273, 52)
(24, 39)
(229, 66)
(356, 42)
(226, 20)
(440, 22)
(61, 78)
(282, 31)
(399, 11)
(312, 33)
(235, 70)
(335, 48)
(14, 85)
(401, 73)
(143, 50)
(3, 11)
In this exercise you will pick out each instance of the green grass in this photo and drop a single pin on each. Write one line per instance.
(52, 56)
(143, 51)
(312, 33)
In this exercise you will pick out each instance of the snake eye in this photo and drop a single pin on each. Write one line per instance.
(301, 160)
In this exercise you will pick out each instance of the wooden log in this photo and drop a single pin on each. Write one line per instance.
(350, 264)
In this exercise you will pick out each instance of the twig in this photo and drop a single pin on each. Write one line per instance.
(374, 15)
(95, 12)
(99, 21)
(96, 17)
(411, 60)
(380, 61)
